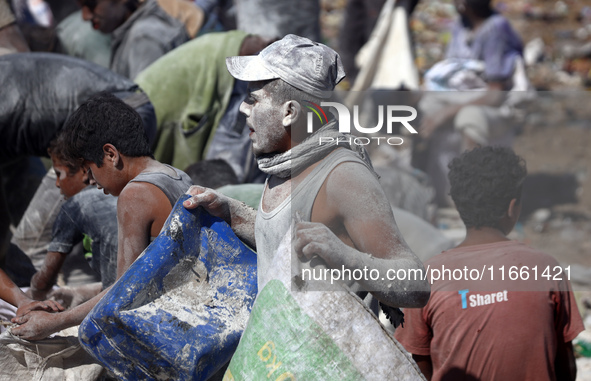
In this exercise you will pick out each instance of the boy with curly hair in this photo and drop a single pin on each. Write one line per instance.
(479, 324)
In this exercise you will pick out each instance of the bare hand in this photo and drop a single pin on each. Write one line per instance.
(315, 239)
(213, 202)
(46, 305)
(36, 325)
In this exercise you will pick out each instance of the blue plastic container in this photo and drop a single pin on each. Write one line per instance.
(180, 309)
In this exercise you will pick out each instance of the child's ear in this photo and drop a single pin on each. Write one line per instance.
(111, 154)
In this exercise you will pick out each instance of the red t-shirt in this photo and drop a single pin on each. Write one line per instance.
(489, 328)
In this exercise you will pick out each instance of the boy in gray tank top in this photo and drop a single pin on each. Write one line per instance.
(109, 137)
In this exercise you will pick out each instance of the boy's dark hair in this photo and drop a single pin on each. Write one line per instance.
(483, 183)
(104, 119)
(213, 173)
(58, 150)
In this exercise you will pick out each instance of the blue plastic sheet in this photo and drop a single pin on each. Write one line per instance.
(180, 309)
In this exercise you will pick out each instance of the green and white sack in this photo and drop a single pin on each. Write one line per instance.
(313, 335)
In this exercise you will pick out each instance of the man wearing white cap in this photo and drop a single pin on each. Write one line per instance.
(343, 219)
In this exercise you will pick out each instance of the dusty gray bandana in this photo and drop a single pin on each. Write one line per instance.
(308, 152)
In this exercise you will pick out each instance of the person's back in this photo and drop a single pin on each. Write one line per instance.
(40, 90)
(197, 101)
(191, 92)
(485, 328)
(494, 302)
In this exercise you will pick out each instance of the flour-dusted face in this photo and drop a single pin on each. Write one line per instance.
(264, 118)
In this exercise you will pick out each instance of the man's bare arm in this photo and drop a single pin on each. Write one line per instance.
(37, 325)
(12, 294)
(237, 214)
(137, 209)
(358, 231)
